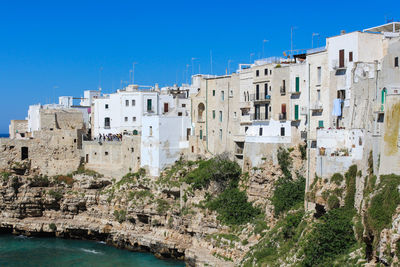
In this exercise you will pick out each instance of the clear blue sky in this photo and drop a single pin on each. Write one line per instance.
(63, 44)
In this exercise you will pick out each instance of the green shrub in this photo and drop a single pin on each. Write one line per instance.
(57, 194)
(140, 194)
(337, 178)
(162, 206)
(53, 227)
(218, 169)
(120, 215)
(233, 208)
(5, 176)
(290, 223)
(350, 175)
(303, 151)
(332, 236)
(384, 203)
(285, 161)
(288, 193)
(333, 202)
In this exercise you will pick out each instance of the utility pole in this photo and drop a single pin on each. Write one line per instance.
(291, 38)
(312, 39)
(251, 55)
(193, 59)
(133, 72)
(264, 41)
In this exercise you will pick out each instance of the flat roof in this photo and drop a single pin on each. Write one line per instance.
(388, 27)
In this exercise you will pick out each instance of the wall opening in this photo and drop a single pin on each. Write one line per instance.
(24, 153)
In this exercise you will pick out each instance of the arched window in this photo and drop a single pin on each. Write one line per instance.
(200, 110)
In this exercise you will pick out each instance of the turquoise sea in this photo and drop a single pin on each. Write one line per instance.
(32, 251)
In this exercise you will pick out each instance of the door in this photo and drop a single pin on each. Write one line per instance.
(24, 153)
(165, 107)
(257, 92)
(149, 105)
(188, 130)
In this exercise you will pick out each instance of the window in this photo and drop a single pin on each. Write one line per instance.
(265, 90)
(220, 134)
(126, 119)
(151, 131)
(213, 114)
(297, 84)
(319, 73)
(220, 116)
(321, 124)
(106, 122)
(222, 95)
(106, 153)
(270, 72)
(200, 110)
(106, 106)
(341, 58)
(257, 91)
(396, 62)
(257, 73)
(165, 107)
(184, 105)
(149, 104)
(246, 128)
(133, 102)
(127, 103)
(319, 94)
(260, 131)
(179, 114)
(133, 118)
(282, 131)
(201, 134)
(234, 115)
(213, 92)
(265, 71)
(192, 149)
(350, 56)
(188, 131)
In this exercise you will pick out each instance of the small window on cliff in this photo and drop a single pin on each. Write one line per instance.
(24, 153)
(106, 153)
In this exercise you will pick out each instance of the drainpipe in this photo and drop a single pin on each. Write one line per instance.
(308, 137)
(207, 114)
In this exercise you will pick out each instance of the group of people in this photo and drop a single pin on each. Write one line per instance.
(110, 137)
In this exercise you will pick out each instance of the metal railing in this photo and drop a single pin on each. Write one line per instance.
(259, 117)
(260, 97)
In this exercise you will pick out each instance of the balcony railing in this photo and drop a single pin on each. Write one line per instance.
(260, 97)
(259, 117)
(282, 116)
(316, 106)
(283, 90)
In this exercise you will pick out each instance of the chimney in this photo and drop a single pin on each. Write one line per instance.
(342, 32)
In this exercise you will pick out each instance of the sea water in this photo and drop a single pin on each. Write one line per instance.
(32, 251)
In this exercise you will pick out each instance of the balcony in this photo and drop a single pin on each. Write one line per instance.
(282, 116)
(259, 117)
(294, 92)
(260, 98)
(245, 119)
(317, 107)
(283, 90)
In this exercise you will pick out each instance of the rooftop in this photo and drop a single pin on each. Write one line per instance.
(388, 27)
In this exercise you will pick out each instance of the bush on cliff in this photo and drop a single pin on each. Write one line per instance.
(219, 169)
(383, 205)
(288, 193)
(233, 208)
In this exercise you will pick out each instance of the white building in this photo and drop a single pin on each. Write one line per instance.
(122, 112)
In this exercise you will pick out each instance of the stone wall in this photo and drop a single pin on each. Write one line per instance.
(112, 158)
(50, 153)
(18, 129)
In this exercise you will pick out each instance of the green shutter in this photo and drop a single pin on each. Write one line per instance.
(297, 84)
(296, 112)
(201, 134)
(213, 92)
(213, 114)
(148, 104)
(321, 124)
(383, 98)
